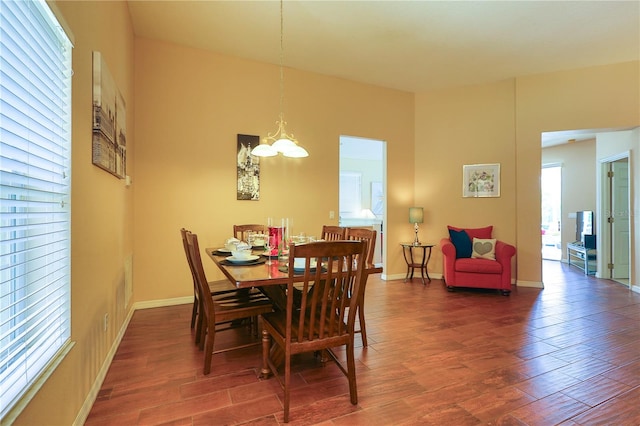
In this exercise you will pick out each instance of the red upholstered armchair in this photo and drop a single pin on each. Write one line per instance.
(473, 259)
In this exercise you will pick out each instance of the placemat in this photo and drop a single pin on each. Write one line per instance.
(249, 263)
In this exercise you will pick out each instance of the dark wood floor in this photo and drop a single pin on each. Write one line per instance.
(568, 354)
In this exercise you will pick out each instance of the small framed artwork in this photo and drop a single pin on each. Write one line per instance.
(109, 141)
(481, 180)
(248, 167)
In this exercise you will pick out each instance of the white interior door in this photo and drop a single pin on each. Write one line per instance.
(620, 215)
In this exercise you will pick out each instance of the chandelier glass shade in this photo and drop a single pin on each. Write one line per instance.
(280, 142)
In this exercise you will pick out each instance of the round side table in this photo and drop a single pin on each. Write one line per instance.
(412, 264)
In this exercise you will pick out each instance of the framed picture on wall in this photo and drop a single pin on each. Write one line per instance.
(248, 167)
(481, 180)
(109, 140)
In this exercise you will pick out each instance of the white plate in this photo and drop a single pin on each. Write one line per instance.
(248, 259)
(301, 268)
(223, 250)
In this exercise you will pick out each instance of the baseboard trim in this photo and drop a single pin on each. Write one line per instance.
(391, 277)
(81, 418)
(533, 284)
(159, 303)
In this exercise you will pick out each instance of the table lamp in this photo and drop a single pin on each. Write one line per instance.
(416, 216)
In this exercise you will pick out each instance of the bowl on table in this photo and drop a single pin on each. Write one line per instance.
(243, 254)
(231, 244)
(241, 251)
(258, 240)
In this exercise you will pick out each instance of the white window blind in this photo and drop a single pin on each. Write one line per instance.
(350, 194)
(35, 142)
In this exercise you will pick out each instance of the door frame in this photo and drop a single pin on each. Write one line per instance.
(365, 156)
(603, 196)
(563, 243)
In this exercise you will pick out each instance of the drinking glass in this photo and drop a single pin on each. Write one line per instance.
(250, 237)
(269, 246)
(269, 240)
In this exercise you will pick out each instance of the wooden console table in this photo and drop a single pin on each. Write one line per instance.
(582, 257)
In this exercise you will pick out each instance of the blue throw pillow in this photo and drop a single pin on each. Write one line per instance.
(461, 242)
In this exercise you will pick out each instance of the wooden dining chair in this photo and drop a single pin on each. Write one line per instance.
(317, 322)
(240, 231)
(369, 237)
(223, 310)
(333, 233)
(215, 288)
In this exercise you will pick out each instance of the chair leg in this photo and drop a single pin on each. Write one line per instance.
(194, 312)
(287, 384)
(208, 352)
(203, 332)
(266, 348)
(198, 333)
(351, 374)
(200, 318)
(363, 326)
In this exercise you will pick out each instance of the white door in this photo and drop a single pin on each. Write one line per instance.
(620, 216)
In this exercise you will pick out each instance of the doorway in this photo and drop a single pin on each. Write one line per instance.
(550, 227)
(362, 183)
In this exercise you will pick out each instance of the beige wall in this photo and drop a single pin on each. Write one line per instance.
(454, 127)
(578, 162)
(191, 104)
(184, 109)
(591, 98)
(502, 123)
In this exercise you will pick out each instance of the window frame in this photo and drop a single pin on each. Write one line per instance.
(35, 193)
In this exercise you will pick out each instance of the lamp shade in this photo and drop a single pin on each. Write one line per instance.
(264, 150)
(416, 214)
(296, 152)
(283, 145)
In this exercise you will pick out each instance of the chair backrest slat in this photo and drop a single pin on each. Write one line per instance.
(184, 233)
(240, 231)
(333, 233)
(199, 275)
(367, 235)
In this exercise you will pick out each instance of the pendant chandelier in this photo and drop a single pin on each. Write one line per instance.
(280, 141)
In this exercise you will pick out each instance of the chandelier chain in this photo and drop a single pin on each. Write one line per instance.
(280, 141)
(281, 57)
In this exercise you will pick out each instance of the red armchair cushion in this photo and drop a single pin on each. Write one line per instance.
(482, 233)
(478, 266)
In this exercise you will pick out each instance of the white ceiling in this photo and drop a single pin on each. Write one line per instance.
(411, 46)
(406, 45)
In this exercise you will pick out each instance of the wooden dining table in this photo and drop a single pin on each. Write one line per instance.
(260, 274)
(271, 279)
(247, 275)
